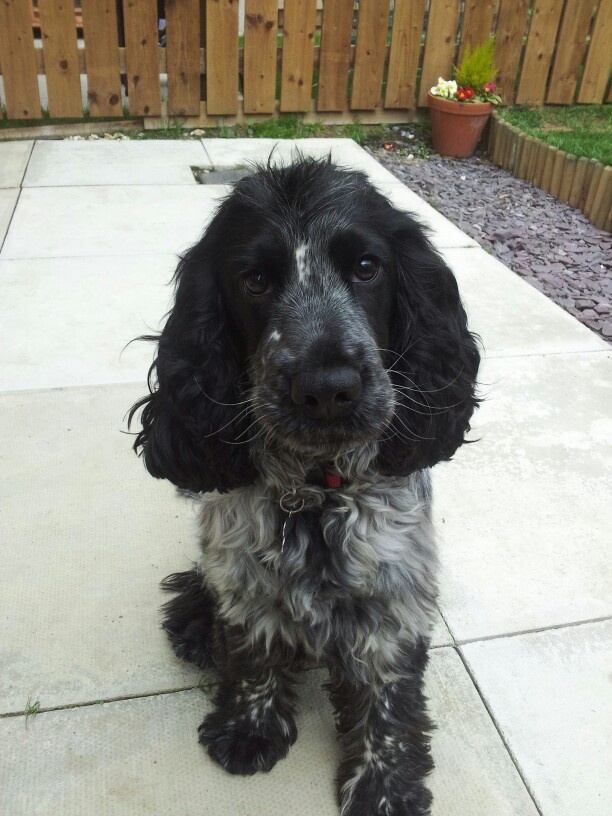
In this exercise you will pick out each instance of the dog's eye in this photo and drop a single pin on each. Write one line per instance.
(366, 268)
(256, 283)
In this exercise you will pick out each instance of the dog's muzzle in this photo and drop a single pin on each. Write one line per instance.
(327, 393)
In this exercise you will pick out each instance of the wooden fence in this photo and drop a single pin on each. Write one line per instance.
(367, 60)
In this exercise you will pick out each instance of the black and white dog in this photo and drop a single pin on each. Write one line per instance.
(315, 365)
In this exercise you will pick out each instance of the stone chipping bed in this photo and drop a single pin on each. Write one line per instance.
(551, 245)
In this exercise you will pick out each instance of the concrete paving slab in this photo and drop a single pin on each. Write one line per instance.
(241, 152)
(56, 222)
(8, 199)
(85, 311)
(141, 756)
(13, 162)
(347, 153)
(443, 232)
(474, 774)
(524, 513)
(67, 163)
(550, 694)
(440, 635)
(511, 316)
(91, 534)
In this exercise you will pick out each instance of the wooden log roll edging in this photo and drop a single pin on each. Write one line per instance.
(584, 184)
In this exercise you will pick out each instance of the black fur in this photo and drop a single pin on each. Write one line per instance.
(394, 723)
(193, 419)
(191, 618)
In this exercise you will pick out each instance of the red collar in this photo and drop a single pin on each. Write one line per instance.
(332, 480)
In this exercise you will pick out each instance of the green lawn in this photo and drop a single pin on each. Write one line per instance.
(584, 130)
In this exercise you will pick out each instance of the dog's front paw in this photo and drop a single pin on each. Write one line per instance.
(242, 748)
(370, 794)
(189, 618)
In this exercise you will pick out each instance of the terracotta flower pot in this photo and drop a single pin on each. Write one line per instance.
(456, 127)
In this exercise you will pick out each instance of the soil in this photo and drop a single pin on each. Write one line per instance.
(551, 245)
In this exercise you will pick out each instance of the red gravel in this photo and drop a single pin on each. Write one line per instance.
(550, 244)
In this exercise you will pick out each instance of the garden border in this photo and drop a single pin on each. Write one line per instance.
(582, 183)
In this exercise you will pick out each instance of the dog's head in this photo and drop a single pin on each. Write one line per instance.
(317, 317)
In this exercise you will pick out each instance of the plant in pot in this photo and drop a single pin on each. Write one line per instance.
(460, 108)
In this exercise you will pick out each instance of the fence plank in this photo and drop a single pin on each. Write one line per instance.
(538, 52)
(512, 148)
(603, 199)
(405, 52)
(140, 25)
(260, 33)
(557, 174)
(221, 57)
(370, 52)
(59, 41)
(529, 146)
(298, 49)
(586, 184)
(569, 170)
(541, 164)
(511, 23)
(548, 168)
(578, 182)
(18, 61)
(183, 56)
(571, 45)
(599, 58)
(598, 169)
(102, 44)
(439, 45)
(334, 54)
(477, 24)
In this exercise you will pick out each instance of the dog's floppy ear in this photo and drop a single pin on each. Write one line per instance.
(195, 418)
(434, 359)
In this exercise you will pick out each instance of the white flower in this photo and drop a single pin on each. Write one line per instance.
(445, 88)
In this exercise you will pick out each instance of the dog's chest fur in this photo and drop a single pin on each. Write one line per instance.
(354, 579)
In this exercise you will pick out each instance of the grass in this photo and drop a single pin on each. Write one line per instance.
(285, 126)
(584, 130)
(31, 708)
(47, 119)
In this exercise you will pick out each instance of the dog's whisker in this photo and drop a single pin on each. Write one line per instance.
(253, 424)
(225, 404)
(411, 431)
(270, 435)
(403, 353)
(232, 421)
(244, 441)
(431, 411)
(430, 390)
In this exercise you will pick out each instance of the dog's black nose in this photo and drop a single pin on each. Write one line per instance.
(327, 393)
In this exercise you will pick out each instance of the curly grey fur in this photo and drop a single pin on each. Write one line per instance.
(382, 557)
